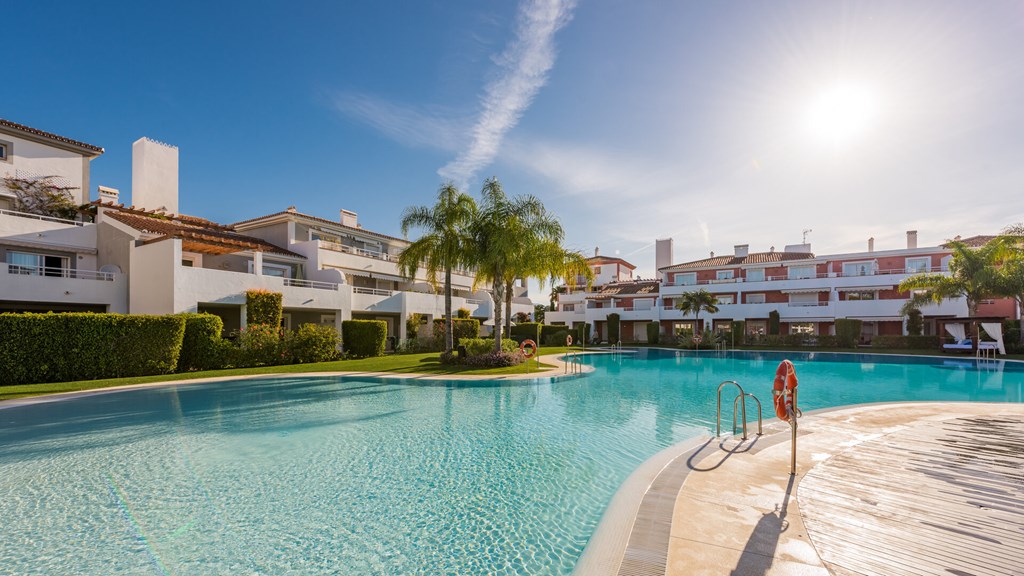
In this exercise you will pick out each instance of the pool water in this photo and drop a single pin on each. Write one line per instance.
(360, 476)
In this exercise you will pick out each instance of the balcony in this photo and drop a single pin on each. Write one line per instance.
(887, 274)
(63, 285)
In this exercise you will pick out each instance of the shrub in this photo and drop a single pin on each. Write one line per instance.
(449, 358)
(364, 338)
(773, 322)
(261, 345)
(263, 307)
(848, 332)
(200, 346)
(915, 322)
(464, 328)
(412, 325)
(521, 317)
(462, 313)
(556, 337)
(582, 333)
(739, 331)
(313, 343)
(905, 342)
(653, 332)
(525, 331)
(495, 360)
(84, 346)
(480, 346)
(827, 341)
(613, 328)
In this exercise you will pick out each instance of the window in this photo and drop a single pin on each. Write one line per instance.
(286, 321)
(568, 307)
(685, 279)
(799, 272)
(755, 298)
(597, 270)
(725, 275)
(681, 327)
(323, 236)
(36, 264)
(4, 151)
(918, 265)
(801, 328)
(278, 270)
(327, 319)
(643, 304)
(858, 268)
(727, 299)
(757, 327)
(187, 263)
(810, 299)
(755, 275)
(861, 295)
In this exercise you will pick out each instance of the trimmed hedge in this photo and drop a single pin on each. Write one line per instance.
(364, 337)
(848, 332)
(582, 335)
(263, 307)
(463, 327)
(773, 323)
(653, 332)
(613, 328)
(915, 322)
(739, 331)
(201, 349)
(555, 337)
(481, 346)
(526, 331)
(905, 342)
(38, 348)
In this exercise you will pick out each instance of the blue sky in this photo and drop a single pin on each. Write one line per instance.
(715, 123)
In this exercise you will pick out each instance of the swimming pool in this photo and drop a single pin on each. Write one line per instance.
(363, 476)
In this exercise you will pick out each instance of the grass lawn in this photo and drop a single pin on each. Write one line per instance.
(398, 364)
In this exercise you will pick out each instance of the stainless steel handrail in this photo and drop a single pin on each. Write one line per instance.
(742, 398)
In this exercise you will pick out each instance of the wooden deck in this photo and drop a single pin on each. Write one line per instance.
(941, 498)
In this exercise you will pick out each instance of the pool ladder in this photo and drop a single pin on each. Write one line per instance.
(572, 363)
(742, 399)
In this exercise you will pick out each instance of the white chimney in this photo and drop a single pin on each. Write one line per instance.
(154, 175)
(662, 253)
(741, 250)
(911, 239)
(349, 218)
(109, 194)
(597, 251)
(798, 248)
(871, 244)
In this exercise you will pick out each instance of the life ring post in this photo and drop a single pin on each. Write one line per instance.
(784, 393)
(528, 354)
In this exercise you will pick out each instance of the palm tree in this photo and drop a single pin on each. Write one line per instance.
(444, 245)
(695, 303)
(972, 276)
(1010, 273)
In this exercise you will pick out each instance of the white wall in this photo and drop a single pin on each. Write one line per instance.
(154, 175)
(31, 159)
(151, 286)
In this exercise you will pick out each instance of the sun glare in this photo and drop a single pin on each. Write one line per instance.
(842, 112)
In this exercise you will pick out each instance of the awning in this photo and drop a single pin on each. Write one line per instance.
(793, 320)
(864, 288)
(805, 291)
(48, 246)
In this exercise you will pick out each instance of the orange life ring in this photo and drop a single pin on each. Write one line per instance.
(531, 344)
(568, 340)
(696, 339)
(784, 389)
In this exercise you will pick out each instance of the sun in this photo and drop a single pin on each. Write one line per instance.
(842, 112)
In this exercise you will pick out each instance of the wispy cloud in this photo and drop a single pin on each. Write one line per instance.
(525, 64)
(431, 127)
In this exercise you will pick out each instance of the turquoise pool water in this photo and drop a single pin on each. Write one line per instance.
(355, 476)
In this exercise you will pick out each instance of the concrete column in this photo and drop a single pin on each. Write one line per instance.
(242, 320)
(257, 263)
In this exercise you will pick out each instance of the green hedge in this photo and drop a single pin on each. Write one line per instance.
(464, 328)
(481, 346)
(201, 348)
(739, 332)
(905, 342)
(773, 323)
(653, 332)
(613, 328)
(848, 332)
(312, 343)
(263, 307)
(915, 322)
(364, 337)
(555, 337)
(582, 335)
(526, 331)
(51, 347)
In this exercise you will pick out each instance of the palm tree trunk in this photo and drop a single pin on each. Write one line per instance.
(972, 311)
(696, 328)
(498, 296)
(1020, 317)
(449, 337)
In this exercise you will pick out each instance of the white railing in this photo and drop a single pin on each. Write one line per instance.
(45, 272)
(335, 247)
(474, 301)
(310, 284)
(803, 304)
(373, 291)
(41, 217)
(814, 276)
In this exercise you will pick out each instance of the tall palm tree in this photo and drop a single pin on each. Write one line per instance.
(1010, 273)
(695, 303)
(972, 276)
(444, 245)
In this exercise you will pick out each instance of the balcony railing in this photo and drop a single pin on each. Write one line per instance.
(373, 291)
(40, 217)
(335, 247)
(310, 284)
(59, 272)
(805, 304)
(813, 276)
(474, 301)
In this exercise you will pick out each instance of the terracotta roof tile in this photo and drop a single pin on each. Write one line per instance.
(188, 229)
(635, 288)
(610, 260)
(974, 241)
(49, 135)
(753, 258)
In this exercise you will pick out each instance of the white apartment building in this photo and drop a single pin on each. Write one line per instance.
(149, 259)
(808, 291)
